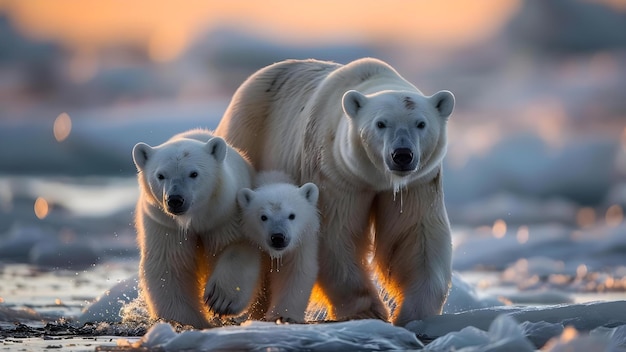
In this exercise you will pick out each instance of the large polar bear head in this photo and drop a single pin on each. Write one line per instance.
(278, 216)
(180, 175)
(403, 133)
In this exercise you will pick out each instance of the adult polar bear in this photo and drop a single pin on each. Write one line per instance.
(194, 256)
(373, 143)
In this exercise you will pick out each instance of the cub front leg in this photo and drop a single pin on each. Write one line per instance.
(234, 279)
(291, 284)
(414, 250)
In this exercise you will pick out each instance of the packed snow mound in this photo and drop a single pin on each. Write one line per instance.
(583, 327)
(539, 323)
(370, 335)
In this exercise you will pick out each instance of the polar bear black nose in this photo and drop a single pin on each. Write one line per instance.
(175, 204)
(278, 240)
(402, 156)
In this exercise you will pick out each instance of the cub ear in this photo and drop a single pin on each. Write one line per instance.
(352, 102)
(443, 101)
(310, 192)
(216, 147)
(141, 153)
(244, 197)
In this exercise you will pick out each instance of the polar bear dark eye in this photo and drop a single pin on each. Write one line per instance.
(193, 174)
(160, 177)
(380, 125)
(292, 216)
(263, 218)
(421, 125)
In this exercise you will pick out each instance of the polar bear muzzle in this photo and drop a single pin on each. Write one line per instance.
(176, 204)
(402, 159)
(279, 241)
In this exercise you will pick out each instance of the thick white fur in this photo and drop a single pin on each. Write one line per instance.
(200, 255)
(290, 273)
(317, 121)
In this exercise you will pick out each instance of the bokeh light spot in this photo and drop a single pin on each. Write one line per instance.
(62, 127)
(41, 208)
(581, 271)
(499, 228)
(614, 215)
(522, 234)
(585, 217)
(569, 333)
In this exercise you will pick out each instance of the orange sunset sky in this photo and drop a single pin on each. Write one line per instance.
(166, 28)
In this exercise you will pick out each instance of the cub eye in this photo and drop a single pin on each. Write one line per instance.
(193, 174)
(292, 216)
(160, 177)
(380, 125)
(421, 125)
(263, 218)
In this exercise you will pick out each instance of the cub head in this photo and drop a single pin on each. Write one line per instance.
(403, 133)
(277, 216)
(180, 175)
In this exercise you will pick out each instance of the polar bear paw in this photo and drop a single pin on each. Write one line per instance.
(374, 309)
(222, 301)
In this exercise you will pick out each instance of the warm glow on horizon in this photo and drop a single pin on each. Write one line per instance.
(166, 29)
(548, 118)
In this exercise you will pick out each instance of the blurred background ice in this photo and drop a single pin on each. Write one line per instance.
(535, 176)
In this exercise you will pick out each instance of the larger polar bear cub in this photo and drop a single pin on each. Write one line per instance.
(283, 220)
(373, 144)
(188, 229)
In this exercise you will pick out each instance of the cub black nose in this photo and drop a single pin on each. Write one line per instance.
(402, 156)
(175, 204)
(278, 240)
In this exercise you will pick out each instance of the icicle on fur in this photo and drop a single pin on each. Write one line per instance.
(279, 263)
(184, 223)
(398, 187)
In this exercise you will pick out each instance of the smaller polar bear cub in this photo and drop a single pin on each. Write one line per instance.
(283, 220)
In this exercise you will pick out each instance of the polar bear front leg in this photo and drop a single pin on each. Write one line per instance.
(169, 275)
(344, 271)
(348, 286)
(234, 279)
(414, 250)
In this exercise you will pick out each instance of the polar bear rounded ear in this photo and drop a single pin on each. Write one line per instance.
(352, 102)
(141, 153)
(216, 147)
(310, 192)
(443, 101)
(244, 197)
